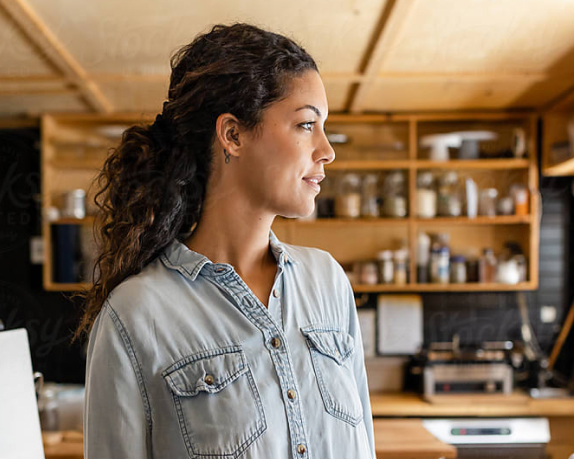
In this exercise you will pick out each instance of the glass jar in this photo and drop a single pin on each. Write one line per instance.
(487, 266)
(519, 195)
(401, 257)
(458, 270)
(369, 196)
(449, 201)
(487, 202)
(386, 267)
(426, 195)
(348, 199)
(325, 200)
(395, 195)
(369, 273)
(440, 260)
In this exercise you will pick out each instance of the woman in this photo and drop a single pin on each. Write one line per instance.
(209, 337)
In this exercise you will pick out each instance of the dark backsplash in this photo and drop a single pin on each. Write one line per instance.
(50, 317)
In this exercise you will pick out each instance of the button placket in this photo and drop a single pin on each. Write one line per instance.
(259, 315)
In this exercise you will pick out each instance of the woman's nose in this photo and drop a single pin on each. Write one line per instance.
(328, 152)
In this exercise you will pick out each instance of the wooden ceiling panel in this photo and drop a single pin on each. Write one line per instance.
(143, 96)
(337, 92)
(33, 105)
(424, 95)
(17, 55)
(135, 36)
(485, 36)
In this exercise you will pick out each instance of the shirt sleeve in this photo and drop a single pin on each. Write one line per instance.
(359, 365)
(115, 421)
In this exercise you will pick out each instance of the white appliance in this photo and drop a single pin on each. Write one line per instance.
(508, 438)
(20, 432)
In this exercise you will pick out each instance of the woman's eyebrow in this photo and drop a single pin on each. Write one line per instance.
(310, 107)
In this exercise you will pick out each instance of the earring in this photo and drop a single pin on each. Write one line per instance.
(227, 156)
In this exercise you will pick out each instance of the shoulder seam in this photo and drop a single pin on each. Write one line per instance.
(133, 359)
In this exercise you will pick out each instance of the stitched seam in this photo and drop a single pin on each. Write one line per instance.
(134, 361)
(231, 349)
(206, 388)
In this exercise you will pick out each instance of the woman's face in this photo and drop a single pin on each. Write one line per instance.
(290, 147)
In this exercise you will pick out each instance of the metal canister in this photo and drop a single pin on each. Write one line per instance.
(75, 204)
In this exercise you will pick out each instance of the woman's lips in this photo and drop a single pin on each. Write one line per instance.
(312, 184)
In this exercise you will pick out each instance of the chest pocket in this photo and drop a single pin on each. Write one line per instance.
(217, 403)
(332, 350)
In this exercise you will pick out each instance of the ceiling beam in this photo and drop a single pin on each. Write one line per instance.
(388, 30)
(52, 48)
(564, 101)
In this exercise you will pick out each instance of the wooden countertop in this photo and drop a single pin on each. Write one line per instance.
(408, 439)
(519, 403)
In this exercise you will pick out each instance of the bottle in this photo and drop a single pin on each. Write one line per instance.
(369, 196)
(458, 269)
(394, 195)
(487, 266)
(423, 254)
(386, 267)
(440, 260)
(426, 195)
(401, 257)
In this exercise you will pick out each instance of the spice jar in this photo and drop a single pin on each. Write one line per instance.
(348, 199)
(369, 196)
(449, 195)
(426, 195)
(394, 195)
(487, 202)
(386, 267)
(519, 194)
(369, 273)
(440, 260)
(458, 270)
(487, 266)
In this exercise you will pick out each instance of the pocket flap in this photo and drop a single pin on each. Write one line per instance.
(206, 373)
(335, 343)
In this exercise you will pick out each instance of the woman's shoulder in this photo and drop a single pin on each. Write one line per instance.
(317, 262)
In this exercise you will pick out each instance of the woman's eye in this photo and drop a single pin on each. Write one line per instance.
(307, 126)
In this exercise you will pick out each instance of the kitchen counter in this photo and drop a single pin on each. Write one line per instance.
(519, 403)
(407, 438)
(394, 439)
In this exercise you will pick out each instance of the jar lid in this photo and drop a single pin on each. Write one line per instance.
(385, 255)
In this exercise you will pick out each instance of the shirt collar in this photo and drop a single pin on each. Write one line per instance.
(180, 257)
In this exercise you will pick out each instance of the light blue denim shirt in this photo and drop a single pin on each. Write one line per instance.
(185, 361)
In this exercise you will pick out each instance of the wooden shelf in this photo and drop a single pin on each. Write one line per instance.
(380, 164)
(479, 220)
(471, 287)
(88, 220)
(565, 168)
(61, 287)
(473, 164)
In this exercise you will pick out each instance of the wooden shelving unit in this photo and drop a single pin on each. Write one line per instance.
(359, 239)
(74, 148)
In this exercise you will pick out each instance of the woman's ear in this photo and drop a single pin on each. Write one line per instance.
(229, 134)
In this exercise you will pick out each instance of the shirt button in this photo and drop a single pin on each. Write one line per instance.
(301, 449)
(291, 394)
(285, 257)
(275, 293)
(209, 379)
(276, 342)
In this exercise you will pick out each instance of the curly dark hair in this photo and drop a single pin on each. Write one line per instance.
(152, 185)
